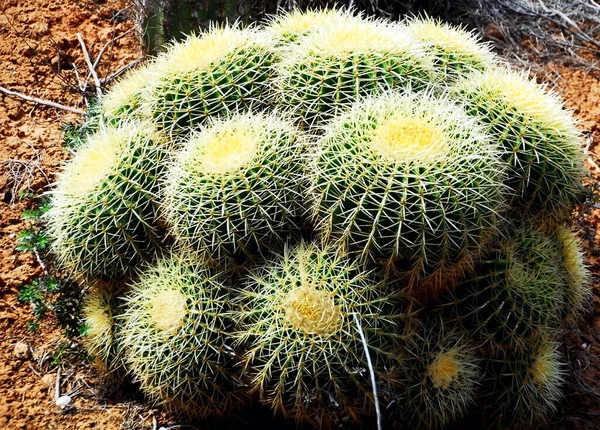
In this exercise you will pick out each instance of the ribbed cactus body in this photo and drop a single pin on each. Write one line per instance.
(443, 377)
(235, 187)
(516, 291)
(454, 52)
(103, 206)
(175, 331)
(303, 349)
(100, 311)
(333, 66)
(578, 290)
(523, 386)
(222, 71)
(541, 145)
(407, 179)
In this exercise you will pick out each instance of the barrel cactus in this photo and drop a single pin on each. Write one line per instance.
(345, 168)
(540, 141)
(221, 71)
(103, 213)
(235, 188)
(407, 180)
(334, 65)
(523, 386)
(175, 326)
(303, 348)
(454, 52)
(516, 291)
(443, 377)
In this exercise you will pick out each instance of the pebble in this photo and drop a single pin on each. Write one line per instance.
(64, 401)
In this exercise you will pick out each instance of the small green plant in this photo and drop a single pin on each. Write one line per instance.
(38, 295)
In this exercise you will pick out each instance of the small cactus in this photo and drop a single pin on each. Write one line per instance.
(541, 144)
(235, 187)
(100, 311)
(103, 206)
(443, 377)
(454, 52)
(513, 293)
(222, 71)
(334, 65)
(303, 350)
(175, 327)
(523, 386)
(578, 290)
(409, 180)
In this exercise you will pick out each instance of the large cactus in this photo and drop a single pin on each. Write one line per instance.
(408, 180)
(303, 349)
(175, 328)
(103, 207)
(235, 189)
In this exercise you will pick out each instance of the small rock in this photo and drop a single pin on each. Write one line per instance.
(21, 351)
(64, 401)
(48, 380)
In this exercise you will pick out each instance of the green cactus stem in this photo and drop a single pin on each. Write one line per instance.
(304, 354)
(175, 329)
(541, 144)
(408, 180)
(103, 206)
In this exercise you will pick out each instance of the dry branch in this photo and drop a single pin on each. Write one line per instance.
(40, 101)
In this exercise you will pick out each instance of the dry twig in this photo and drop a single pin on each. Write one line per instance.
(40, 101)
(86, 54)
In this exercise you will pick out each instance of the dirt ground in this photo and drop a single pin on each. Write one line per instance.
(40, 56)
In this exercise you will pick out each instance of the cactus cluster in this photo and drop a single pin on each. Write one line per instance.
(300, 210)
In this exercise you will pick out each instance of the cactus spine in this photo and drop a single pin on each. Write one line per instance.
(408, 180)
(175, 328)
(103, 206)
(235, 188)
(303, 351)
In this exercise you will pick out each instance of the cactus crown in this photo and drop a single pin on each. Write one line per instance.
(312, 311)
(226, 150)
(167, 310)
(407, 139)
(444, 370)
